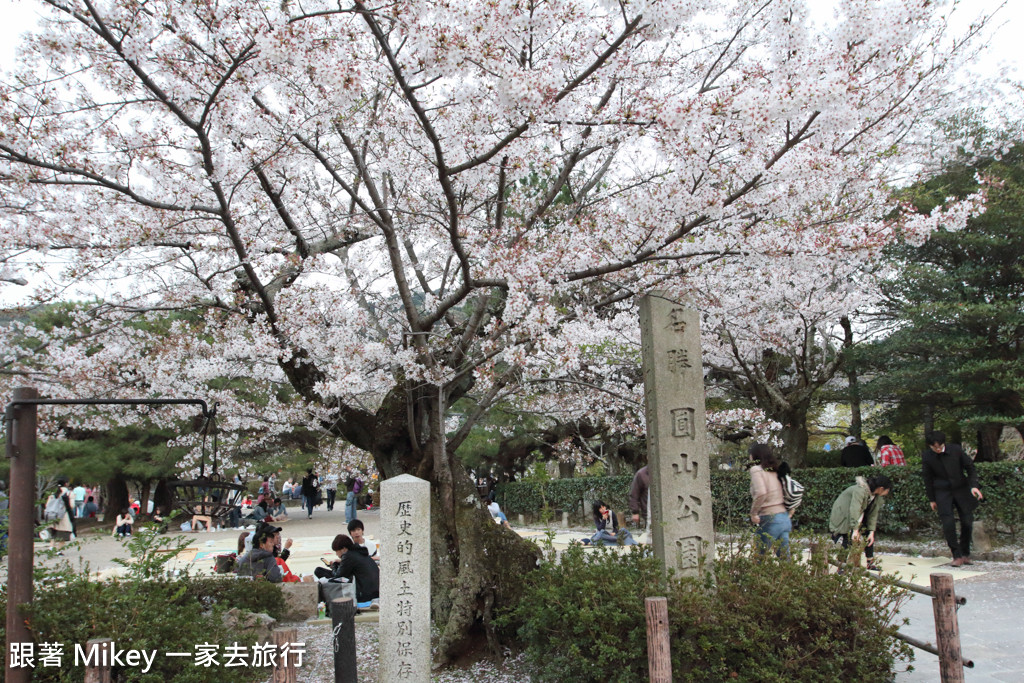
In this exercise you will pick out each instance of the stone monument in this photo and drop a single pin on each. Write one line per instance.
(405, 580)
(681, 524)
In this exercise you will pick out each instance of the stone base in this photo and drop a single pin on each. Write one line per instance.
(299, 600)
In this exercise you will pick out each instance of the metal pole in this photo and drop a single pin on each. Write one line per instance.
(21, 454)
(947, 629)
(343, 621)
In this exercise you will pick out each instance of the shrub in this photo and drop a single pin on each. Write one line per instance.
(146, 610)
(592, 605)
(905, 508)
(751, 619)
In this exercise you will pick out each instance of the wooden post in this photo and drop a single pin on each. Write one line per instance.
(285, 670)
(21, 454)
(343, 621)
(100, 671)
(947, 630)
(659, 651)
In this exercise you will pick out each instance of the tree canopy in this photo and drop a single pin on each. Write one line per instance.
(394, 207)
(956, 308)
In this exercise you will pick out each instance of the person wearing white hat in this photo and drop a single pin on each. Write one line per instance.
(855, 454)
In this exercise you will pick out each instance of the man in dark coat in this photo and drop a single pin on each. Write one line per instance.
(951, 482)
(639, 496)
(855, 454)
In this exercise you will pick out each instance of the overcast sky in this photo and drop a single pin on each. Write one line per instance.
(1004, 47)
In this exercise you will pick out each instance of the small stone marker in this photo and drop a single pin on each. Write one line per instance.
(405, 580)
(681, 525)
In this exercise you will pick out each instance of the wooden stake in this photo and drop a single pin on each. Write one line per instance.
(947, 629)
(99, 673)
(659, 651)
(285, 670)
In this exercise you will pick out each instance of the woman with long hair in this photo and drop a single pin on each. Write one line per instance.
(768, 509)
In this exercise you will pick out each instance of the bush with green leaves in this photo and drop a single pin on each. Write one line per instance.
(753, 618)
(146, 609)
(905, 508)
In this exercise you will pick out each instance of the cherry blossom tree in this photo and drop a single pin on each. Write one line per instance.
(389, 208)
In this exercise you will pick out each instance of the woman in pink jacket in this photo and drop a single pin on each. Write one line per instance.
(768, 510)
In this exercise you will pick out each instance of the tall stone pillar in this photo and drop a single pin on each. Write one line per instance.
(681, 524)
(405, 580)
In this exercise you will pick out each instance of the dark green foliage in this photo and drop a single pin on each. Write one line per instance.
(146, 610)
(591, 604)
(530, 497)
(905, 508)
(956, 304)
(225, 592)
(756, 619)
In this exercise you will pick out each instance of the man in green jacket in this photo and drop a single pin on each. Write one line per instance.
(859, 504)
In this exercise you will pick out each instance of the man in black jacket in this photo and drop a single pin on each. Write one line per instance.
(951, 482)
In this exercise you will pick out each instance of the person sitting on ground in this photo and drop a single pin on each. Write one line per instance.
(608, 530)
(497, 514)
(355, 529)
(281, 553)
(859, 504)
(279, 512)
(259, 514)
(123, 524)
(356, 563)
(260, 561)
(160, 520)
(90, 508)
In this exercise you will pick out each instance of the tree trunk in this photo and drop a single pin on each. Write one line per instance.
(988, 442)
(928, 418)
(117, 497)
(144, 496)
(795, 439)
(163, 499)
(852, 380)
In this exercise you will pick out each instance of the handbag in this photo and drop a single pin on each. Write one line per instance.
(792, 492)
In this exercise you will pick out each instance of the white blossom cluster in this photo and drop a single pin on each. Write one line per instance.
(465, 196)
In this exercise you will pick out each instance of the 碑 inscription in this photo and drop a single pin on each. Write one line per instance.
(689, 506)
(678, 360)
(689, 466)
(677, 320)
(680, 494)
(682, 422)
(688, 553)
(405, 580)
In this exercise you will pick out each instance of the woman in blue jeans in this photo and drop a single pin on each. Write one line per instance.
(768, 510)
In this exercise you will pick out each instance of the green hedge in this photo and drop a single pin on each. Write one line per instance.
(905, 508)
(756, 619)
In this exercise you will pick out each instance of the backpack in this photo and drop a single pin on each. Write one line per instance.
(54, 508)
(792, 492)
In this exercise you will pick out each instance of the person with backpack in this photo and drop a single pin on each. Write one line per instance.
(309, 491)
(353, 484)
(768, 508)
(858, 506)
(60, 510)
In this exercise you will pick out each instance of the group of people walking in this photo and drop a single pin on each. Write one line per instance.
(951, 485)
